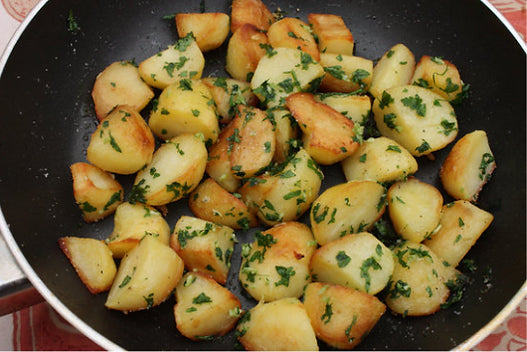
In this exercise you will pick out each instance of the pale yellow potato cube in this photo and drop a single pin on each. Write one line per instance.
(210, 29)
(439, 75)
(293, 33)
(253, 12)
(332, 33)
(245, 49)
(345, 73)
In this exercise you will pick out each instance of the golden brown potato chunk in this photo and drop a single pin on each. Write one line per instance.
(253, 12)
(246, 48)
(209, 29)
(332, 33)
(439, 75)
(293, 33)
(346, 73)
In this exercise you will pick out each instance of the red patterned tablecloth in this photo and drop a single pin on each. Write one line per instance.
(41, 328)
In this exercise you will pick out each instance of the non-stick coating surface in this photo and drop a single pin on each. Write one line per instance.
(47, 118)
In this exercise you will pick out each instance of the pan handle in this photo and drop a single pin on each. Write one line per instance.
(16, 292)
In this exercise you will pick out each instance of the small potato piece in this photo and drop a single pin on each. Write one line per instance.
(120, 84)
(246, 48)
(204, 308)
(210, 29)
(415, 117)
(347, 208)
(283, 71)
(282, 325)
(379, 159)
(252, 143)
(462, 223)
(131, 223)
(92, 261)
(122, 142)
(176, 169)
(183, 60)
(211, 202)
(219, 161)
(185, 107)
(96, 192)
(355, 107)
(293, 33)
(228, 93)
(359, 261)
(332, 33)
(468, 166)
(414, 208)
(276, 264)
(341, 316)
(439, 75)
(395, 68)
(286, 133)
(417, 286)
(253, 12)
(318, 121)
(345, 73)
(146, 276)
(204, 246)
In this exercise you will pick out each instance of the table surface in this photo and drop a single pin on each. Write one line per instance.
(40, 328)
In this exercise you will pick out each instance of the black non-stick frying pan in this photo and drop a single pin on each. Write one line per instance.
(47, 118)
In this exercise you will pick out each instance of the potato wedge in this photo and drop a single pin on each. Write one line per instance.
(92, 261)
(204, 308)
(347, 208)
(346, 73)
(379, 159)
(253, 12)
(439, 75)
(394, 68)
(281, 325)
(286, 133)
(318, 121)
(290, 32)
(415, 209)
(176, 169)
(332, 33)
(185, 107)
(96, 192)
(219, 161)
(120, 84)
(359, 261)
(341, 316)
(462, 223)
(468, 166)
(276, 264)
(131, 223)
(146, 276)
(245, 49)
(204, 246)
(211, 202)
(122, 142)
(415, 117)
(210, 29)
(183, 60)
(355, 107)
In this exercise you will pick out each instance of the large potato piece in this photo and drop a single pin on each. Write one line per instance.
(122, 142)
(439, 75)
(283, 71)
(210, 29)
(355, 107)
(246, 48)
(332, 33)
(462, 223)
(293, 33)
(347, 208)
(183, 60)
(415, 209)
(185, 107)
(146, 276)
(96, 192)
(204, 308)
(379, 159)
(219, 160)
(131, 223)
(418, 284)
(253, 12)
(276, 264)
(468, 166)
(120, 84)
(318, 121)
(282, 325)
(415, 117)
(341, 316)
(176, 169)
(345, 73)
(92, 261)
(395, 68)
(204, 246)
(359, 261)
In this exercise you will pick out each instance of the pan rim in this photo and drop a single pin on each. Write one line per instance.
(107, 344)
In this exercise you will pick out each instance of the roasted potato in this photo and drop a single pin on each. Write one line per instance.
(345, 73)
(92, 260)
(245, 49)
(293, 33)
(210, 29)
(122, 142)
(253, 12)
(96, 192)
(355, 107)
(286, 133)
(468, 166)
(332, 33)
(439, 75)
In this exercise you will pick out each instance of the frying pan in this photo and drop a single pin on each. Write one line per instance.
(47, 118)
